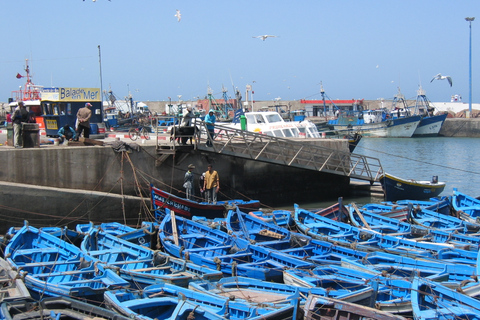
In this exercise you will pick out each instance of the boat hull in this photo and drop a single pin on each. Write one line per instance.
(394, 128)
(399, 189)
(430, 126)
(188, 208)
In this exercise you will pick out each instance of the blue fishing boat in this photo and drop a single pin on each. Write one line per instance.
(53, 267)
(465, 206)
(390, 294)
(431, 301)
(365, 219)
(331, 285)
(255, 292)
(137, 306)
(322, 228)
(149, 303)
(361, 218)
(457, 276)
(162, 200)
(396, 188)
(218, 250)
(55, 308)
(318, 307)
(257, 231)
(139, 265)
(433, 219)
(141, 236)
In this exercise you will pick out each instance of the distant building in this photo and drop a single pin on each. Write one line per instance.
(328, 108)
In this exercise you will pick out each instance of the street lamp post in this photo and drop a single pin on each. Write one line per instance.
(470, 19)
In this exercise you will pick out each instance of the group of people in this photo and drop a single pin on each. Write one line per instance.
(67, 133)
(209, 184)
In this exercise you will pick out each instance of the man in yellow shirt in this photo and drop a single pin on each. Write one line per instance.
(211, 185)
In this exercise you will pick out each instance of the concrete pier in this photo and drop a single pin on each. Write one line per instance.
(58, 185)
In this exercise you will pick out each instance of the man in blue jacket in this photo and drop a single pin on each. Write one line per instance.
(210, 122)
(67, 133)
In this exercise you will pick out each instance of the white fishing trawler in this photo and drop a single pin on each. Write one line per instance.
(272, 124)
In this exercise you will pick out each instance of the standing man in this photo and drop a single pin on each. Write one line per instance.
(83, 116)
(211, 185)
(188, 182)
(210, 122)
(19, 116)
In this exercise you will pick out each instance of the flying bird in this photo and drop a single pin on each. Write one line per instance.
(440, 77)
(178, 15)
(264, 37)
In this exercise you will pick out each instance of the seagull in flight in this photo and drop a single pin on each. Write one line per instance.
(178, 15)
(440, 77)
(264, 37)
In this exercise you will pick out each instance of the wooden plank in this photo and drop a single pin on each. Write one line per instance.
(360, 215)
(174, 227)
(90, 142)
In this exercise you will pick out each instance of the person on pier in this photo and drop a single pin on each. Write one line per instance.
(211, 185)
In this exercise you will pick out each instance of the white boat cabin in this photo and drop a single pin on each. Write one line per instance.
(272, 124)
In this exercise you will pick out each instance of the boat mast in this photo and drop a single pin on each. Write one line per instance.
(30, 92)
(101, 85)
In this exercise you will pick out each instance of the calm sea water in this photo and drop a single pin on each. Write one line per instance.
(454, 160)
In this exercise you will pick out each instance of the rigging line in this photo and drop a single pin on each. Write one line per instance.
(95, 188)
(138, 185)
(421, 161)
(121, 190)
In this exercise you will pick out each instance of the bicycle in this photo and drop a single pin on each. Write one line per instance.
(139, 131)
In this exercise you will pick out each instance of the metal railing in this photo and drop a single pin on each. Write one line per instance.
(282, 151)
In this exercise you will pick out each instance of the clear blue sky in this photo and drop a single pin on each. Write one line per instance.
(357, 49)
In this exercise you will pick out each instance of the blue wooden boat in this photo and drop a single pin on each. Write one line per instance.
(257, 231)
(141, 236)
(323, 228)
(12, 288)
(344, 234)
(387, 294)
(320, 281)
(361, 218)
(55, 308)
(219, 250)
(318, 307)
(140, 265)
(430, 301)
(53, 267)
(162, 200)
(456, 276)
(136, 306)
(281, 218)
(433, 214)
(149, 303)
(255, 292)
(396, 188)
(465, 206)
(114, 228)
(366, 219)
(433, 219)
(391, 210)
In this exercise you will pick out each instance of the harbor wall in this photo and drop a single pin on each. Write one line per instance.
(69, 185)
(461, 127)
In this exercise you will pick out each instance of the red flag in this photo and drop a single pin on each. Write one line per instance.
(19, 76)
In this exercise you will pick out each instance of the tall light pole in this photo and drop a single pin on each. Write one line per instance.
(101, 81)
(470, 19)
